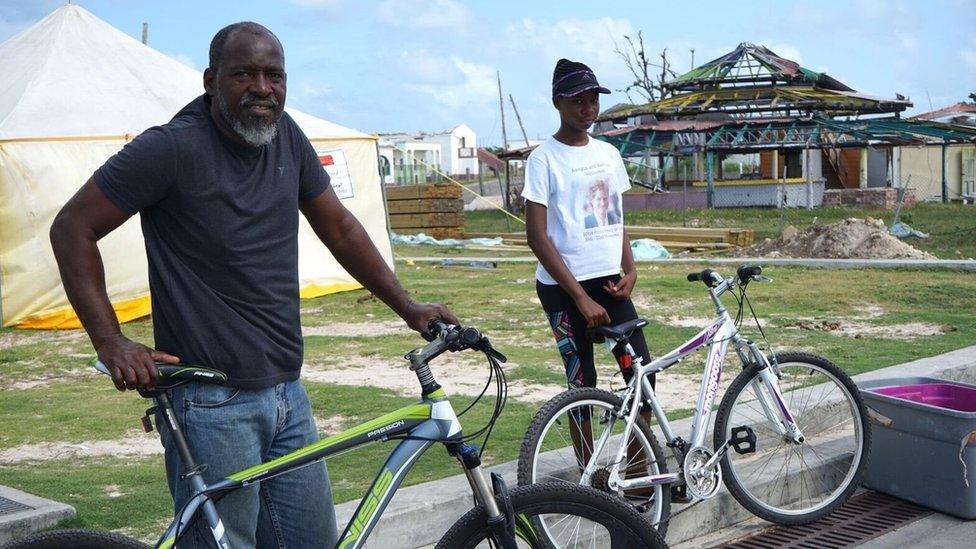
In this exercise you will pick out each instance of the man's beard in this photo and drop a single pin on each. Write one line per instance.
(256, 131)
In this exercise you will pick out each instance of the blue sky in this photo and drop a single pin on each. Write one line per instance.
(410, 65)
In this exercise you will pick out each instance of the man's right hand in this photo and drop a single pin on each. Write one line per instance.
(132, 364)
(594, 314)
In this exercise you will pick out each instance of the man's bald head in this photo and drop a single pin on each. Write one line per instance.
(223, 36)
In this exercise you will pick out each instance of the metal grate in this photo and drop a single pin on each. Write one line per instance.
(9, 506)
(863, 517)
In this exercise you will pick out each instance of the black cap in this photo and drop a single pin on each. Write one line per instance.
(571, 78)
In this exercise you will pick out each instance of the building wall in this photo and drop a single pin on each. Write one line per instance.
(450, 142)
(924, 165)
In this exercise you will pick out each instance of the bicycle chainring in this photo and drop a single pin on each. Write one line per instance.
(702, 482)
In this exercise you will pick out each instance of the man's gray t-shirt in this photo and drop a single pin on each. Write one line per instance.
(220, 222)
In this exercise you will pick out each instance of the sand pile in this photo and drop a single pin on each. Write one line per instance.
(851, 238)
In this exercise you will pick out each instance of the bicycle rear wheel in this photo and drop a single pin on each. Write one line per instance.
(76, 539)
(796, 483)
(557, 515)
(563, 433)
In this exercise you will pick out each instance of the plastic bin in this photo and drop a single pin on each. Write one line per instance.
(924, 442)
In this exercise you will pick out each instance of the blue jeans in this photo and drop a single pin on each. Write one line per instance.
(232, 429)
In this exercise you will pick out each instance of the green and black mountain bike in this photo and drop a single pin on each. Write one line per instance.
(541, 515)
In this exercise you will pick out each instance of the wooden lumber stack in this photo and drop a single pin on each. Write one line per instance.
(675, 239)
(435, 210)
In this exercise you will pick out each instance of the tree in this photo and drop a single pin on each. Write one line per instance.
(648, 84)
(972, 96)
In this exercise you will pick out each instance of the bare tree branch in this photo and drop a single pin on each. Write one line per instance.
(645, 87)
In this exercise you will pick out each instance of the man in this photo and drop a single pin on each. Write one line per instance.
(218, 190)
(600, 205)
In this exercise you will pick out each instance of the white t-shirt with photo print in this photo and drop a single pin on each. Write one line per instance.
(581, 189)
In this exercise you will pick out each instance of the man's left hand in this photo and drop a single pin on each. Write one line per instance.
(621, 290)
(419, 315)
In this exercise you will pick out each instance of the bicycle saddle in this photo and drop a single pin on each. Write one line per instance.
(171, 375)
(616, 331)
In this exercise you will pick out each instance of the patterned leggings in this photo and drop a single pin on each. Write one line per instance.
(569, 328)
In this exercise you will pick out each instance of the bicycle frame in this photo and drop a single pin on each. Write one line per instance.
(421, 425)
(718, 335)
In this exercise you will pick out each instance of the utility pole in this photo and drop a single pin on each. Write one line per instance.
(519, 118)
(501, 107)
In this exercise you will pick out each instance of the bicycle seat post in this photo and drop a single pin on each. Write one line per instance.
(190, 468)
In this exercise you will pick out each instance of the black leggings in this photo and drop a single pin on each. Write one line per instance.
(569, 328)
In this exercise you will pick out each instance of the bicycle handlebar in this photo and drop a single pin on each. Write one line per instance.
(743, 275)
(459, 338)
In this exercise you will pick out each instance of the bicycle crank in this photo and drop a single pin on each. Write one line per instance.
(703, 477)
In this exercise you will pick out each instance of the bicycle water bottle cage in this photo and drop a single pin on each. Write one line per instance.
(743, 440)
(618, 332)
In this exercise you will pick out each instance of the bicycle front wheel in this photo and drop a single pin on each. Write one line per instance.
(75, 539)
(783, 481)
(564, 435)
(556, 515)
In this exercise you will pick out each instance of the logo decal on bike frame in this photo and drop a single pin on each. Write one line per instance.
(367, 508)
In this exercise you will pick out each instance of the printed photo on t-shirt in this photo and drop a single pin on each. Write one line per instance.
(600, 208)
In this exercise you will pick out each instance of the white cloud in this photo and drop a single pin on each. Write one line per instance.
(428, 14)
(590, 41)
(786, 51)
(423, 67)
(909, 42)
(476, 86)
(318, 4)
(968, 57)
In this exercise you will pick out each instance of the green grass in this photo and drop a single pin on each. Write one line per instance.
(74, 405)
(952, 227)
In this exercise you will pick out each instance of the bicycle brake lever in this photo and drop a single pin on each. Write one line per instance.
(762, 278)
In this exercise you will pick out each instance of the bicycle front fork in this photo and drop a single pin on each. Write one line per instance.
(501, 520)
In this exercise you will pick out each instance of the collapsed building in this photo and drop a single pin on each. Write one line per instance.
(753, 128)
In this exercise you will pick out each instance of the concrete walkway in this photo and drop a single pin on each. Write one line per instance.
(952, 264)
(419, 515)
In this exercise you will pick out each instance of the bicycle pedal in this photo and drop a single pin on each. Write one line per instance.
(743, 440)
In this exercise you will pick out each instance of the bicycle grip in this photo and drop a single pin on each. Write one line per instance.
(705, 276)
(746, 272)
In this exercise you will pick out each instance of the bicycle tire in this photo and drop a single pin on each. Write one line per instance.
(546, 437)
(826, 467)
(75, 539)
(619, 525)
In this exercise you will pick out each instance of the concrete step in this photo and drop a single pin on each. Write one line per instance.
(419, 515)
(22, 513)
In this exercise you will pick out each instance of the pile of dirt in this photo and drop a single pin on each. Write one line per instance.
(851, 238)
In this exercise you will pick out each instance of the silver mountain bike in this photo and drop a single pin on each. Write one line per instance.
(790, 438)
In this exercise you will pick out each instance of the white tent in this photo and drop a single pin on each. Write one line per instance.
(83, 89)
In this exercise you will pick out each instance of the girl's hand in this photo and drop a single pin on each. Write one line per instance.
(622, 289)
(594, 314)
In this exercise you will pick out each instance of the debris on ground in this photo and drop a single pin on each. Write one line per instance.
(852, 238)
(421, 239)
(645, 249)
(901, 230)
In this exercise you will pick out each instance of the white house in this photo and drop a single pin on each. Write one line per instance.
(405, 159)
(459, 149)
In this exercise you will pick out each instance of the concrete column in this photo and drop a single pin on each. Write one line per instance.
(863, 179)
(896, 167)
(775, 164)
(710, 173)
